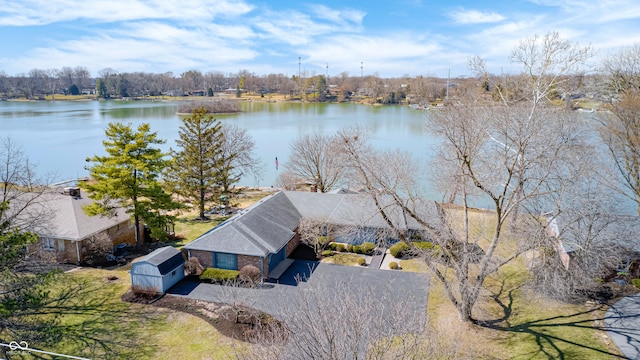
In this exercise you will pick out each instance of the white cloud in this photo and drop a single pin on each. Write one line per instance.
(403, 54)
(297, 28)
(42, 12)
(463, 16)
(346, 17)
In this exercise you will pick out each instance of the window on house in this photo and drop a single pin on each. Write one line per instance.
(225, 261)
(60, 245)
(48, 244)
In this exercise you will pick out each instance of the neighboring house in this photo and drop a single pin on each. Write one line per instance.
(266, 233)
(615, 232)
(158, 271)
(64, 228)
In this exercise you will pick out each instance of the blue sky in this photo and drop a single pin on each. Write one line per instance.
(390, 38)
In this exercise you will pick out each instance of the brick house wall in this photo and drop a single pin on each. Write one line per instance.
(205, 257)
(244, 260)
(123, 232)
(68, 251)
(206, 260)
(293, 243)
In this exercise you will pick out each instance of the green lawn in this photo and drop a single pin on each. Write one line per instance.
(523, 326)
(187, 229)
(346, 259)
(131, 331)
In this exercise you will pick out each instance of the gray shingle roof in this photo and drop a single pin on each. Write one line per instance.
(269, 224)
(358, 209)
(60, 216)
(165, 258)
(263, 228)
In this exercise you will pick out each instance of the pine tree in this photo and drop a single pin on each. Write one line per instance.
(194, 173)
(128, 177)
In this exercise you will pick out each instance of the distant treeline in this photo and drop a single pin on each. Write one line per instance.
(343, 87)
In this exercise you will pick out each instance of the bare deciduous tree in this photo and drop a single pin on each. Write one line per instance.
(98, 246)
(22, 204)
(313, 232)
(512, 155)
(287, 180)
(588, 240)
(334, 321)
(620, 130)
(239, 157)
(314, 158)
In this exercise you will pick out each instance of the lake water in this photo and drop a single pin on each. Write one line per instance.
(59, 135)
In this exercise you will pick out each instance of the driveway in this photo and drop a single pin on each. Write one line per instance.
(623, 325)
(394, 298)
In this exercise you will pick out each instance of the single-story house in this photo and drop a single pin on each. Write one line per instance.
(158, 271)
(267, 232)
(64, 229)
(571, 233)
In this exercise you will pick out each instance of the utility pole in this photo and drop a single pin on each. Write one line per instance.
(361, 68)
(448, 79)
(299, 82)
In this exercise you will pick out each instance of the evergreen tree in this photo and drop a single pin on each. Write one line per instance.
(197, 165)
(128, 177)
(101, 88)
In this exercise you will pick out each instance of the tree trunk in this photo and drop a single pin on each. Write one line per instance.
(464, 311)
(136, 221)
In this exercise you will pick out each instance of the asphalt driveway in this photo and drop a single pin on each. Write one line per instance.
(623, 325)
(330, 287)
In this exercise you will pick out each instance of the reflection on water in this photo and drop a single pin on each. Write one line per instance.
(60, 135)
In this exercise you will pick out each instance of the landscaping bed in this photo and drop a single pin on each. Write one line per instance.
(240, 323)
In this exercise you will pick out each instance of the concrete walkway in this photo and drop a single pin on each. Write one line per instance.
(623, 325)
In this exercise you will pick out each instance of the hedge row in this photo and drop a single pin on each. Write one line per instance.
(366, 248)
(402, 249)
(219, 275)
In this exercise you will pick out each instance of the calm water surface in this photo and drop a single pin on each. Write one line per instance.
(59, 135)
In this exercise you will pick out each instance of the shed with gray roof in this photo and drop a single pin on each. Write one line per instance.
(158, 271)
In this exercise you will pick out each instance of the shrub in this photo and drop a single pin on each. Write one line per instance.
(362, 261)
(323, 240)
(636, 282)
(399, 250)
(423, 245)
(327, 253)
(367, 248)
(393, 265)
(333, 246)
(219, 275)
(193, 266)
(250, 273)
(356, 249)
(349, 248)
(340, 248)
